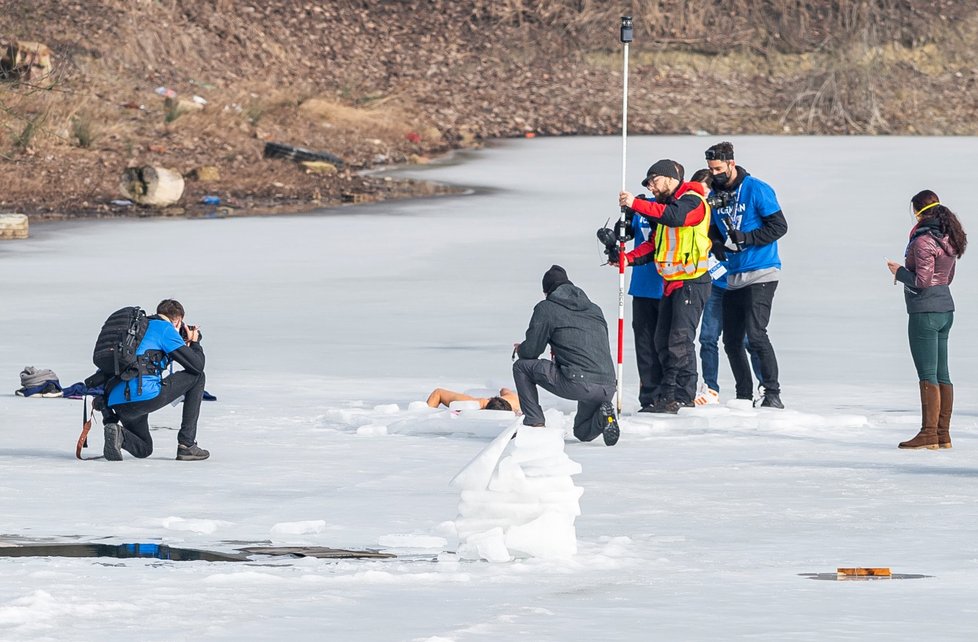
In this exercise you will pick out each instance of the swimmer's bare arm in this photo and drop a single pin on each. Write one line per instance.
(443, 397)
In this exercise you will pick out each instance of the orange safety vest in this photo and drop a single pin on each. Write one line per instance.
(682, 253)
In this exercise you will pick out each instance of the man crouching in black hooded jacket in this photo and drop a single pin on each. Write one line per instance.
(581, 368)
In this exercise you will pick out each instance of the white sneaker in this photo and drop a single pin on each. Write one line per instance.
(760, 396)
(706, 396)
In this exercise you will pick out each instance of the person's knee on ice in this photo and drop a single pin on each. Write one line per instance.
(577, 333)
(167, 340)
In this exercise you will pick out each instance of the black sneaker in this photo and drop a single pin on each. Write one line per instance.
(670, 407)
(648, 408)
(191, 453)
(610, 430)
(112, 450)
(772, 400)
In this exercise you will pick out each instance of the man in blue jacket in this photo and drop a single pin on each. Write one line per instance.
(126, 419)
(745, 233)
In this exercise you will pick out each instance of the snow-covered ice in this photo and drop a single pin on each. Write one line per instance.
(325, 333)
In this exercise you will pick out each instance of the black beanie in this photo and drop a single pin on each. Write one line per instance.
(554, 277)
(664, 167)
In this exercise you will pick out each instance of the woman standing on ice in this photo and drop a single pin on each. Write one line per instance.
(936, 242)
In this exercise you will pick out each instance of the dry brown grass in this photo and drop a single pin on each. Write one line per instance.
(385, 117)
(787, 26)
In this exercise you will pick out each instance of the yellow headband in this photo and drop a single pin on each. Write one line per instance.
(925, 208)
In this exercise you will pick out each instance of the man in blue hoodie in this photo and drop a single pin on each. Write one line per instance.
(745, 232)
(581, 367)
(129, 403)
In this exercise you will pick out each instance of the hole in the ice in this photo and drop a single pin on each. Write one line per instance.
(123, 551)
(842, 577)
(171, 553)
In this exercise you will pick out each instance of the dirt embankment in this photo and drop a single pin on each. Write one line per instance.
(378, 83)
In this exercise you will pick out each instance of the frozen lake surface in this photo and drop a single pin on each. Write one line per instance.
(320, 330)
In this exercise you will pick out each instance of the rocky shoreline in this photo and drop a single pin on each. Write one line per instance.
(377, 84)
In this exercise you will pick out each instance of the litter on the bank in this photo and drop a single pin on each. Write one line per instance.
(211, 200)
(121, 202)
(299, 154)
(166, 92)
(14, 226)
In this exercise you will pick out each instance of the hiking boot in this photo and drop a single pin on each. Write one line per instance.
(771, 400)
(610, 431)
(192, 452)
(112, 450)
(667, 407)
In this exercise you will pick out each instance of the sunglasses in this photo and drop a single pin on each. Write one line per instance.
(717, 155)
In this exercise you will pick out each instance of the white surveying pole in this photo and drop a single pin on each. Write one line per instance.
(626, 37)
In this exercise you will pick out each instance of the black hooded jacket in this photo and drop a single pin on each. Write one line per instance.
(577, 333)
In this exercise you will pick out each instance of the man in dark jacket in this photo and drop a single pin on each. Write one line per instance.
(129, 403)
(581, 368)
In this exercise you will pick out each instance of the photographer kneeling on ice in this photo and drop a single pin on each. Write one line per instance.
(129, 402)
(581, 368)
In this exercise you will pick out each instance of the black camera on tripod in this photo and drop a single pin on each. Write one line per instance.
(720, 199)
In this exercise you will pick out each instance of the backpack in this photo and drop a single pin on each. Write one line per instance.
(115, 349)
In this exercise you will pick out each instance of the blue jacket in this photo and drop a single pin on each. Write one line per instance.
(163, 337)
(756, 212)
(646, 281)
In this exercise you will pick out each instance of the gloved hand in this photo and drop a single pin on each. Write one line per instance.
(736, 240)
(616, 256)
(613, 253)
(627, 227)
(719, 251)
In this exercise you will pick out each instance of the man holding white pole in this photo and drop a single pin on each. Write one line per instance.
(680, 250)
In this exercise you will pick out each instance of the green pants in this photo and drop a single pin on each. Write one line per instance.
(928, 333)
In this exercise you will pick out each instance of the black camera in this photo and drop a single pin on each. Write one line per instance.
(626, 30)
(720, 199)
(607, 238)
(185, 331)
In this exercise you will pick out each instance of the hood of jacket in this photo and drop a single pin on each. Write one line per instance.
(570, 296)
